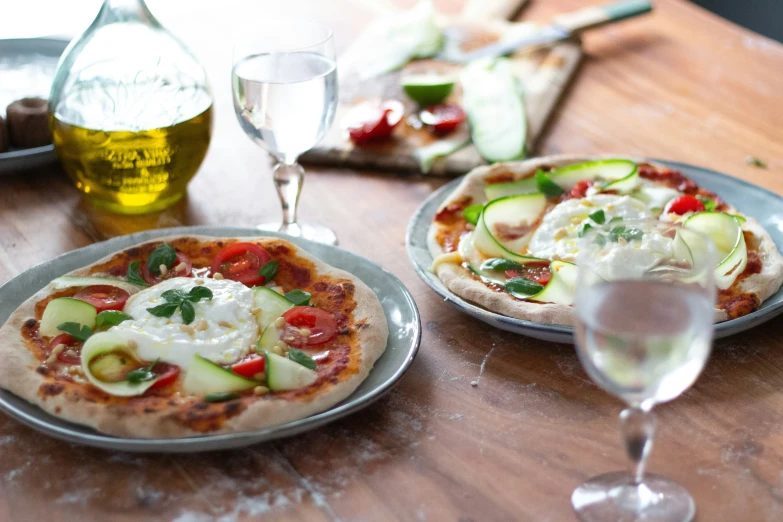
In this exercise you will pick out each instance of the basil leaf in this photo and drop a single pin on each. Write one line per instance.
(298, 297)
(598, 217)
(615, 219)
(163, 255)
(174, 296)
(629, 234)
(709, 204)
(498, 263)
(134, 276)
(753, 160)
(547, 186)
(472, 213)
(269, 270)
(221, 397)
(584, 230)
(298, 356)
(109, 318)
(197, 293)
(164, 310)
(600, 240)
(142, 374)
(78, 331)
(522, 287)
(188, 312)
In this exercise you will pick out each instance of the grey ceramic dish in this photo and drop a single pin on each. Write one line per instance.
(397, 302)
(16, 57)
(765, 206)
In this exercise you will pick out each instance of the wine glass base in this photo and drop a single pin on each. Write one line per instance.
(317, 233)
(615, 497)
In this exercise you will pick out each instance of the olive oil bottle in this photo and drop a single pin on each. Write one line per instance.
(130, 111)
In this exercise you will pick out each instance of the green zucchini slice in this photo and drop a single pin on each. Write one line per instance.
(205, 377)
(104, 363)
(66, 310)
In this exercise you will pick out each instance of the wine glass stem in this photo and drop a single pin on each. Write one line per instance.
(288, 182)
(638, 426)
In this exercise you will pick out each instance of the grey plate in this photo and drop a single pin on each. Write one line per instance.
(27, 66)
(397, 302)
(765, 206)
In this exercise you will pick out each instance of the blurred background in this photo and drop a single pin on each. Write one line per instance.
(762, 16)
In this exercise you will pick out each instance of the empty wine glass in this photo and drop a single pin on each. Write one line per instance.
(284, 83)
(644, 304)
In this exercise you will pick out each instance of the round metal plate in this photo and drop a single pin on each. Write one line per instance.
(398, 305)
(765, 206)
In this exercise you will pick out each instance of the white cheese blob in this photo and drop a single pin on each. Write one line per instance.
(558, 235)
(631, 261)
(230, 327)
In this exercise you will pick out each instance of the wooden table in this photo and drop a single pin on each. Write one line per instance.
(680, 84)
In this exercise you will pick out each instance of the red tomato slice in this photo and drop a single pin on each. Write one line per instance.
(103, 297)
(540, 275)
(250, 366)
(322, 326)
(68, 341)
(443, 118)
(683, 204)
(580, 189)
(167, 374)
(241, 262)
(154, 279)
(369, 122)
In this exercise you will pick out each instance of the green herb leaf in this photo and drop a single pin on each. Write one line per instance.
(498, 263)
(174, 296)
(163, 255)
(616, 219)
(709, 204)
(134, 276)
(188, 312)
(221, 397)
(164, 310)
(549, 188)
(302, 358)
(472, 213)
(109, 318)
(598, 217)
(753, 160)
(629, 233)
(298, 297)
(197, 293)
(584, 230)
(142, 374)
(522, 287)
(600, 239)
(80, 332)
(269, 270)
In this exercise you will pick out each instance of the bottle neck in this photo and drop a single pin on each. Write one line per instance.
(125, 11)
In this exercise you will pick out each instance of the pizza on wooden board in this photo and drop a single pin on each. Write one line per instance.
(507, 238)
(193, 335)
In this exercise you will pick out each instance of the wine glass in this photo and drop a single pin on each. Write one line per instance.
(284, 84)
(644, 304)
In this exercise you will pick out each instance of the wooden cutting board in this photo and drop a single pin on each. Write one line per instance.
(544, 74)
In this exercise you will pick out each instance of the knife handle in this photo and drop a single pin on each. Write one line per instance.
(601, 14)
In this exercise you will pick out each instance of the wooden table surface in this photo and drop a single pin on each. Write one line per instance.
(680, 84)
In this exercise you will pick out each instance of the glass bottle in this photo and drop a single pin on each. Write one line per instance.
(130, 111)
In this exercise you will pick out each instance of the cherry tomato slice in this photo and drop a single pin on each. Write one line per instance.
(322, 326)
(154, 279)
(103, 297)
(683, 204)
(540, 275)
(68, 341)
(241, 262)
(250, 366)
(368, 122)
(443, 118)
(167, 374)
(580, 189)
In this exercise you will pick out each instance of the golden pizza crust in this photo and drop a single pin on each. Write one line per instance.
(18, 375)
(460, 281)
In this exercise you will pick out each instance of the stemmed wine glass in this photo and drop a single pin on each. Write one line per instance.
(284, 83)
(644, 303)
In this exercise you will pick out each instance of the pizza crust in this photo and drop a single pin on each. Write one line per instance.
(460, 281)
(18, 375)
